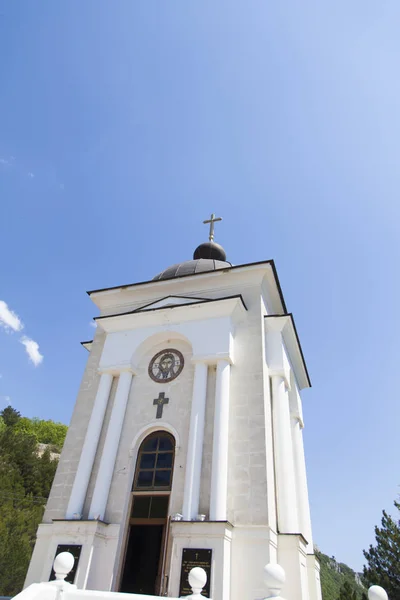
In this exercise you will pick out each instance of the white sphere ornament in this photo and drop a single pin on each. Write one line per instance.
(197, 579)
(63, 564)
(376, 592)
(274, 578)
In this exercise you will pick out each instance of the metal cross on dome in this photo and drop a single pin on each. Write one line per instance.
(213, 219)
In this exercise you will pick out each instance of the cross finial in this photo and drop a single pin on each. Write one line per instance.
(213, 219)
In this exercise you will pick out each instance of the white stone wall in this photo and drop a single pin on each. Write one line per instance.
(247, 458)
(139, 414)
(71, 452)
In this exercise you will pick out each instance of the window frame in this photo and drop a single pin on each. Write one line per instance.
(136, 489)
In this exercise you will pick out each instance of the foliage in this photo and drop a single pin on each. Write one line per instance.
(46, 432)
(383, 559)
(10, 416)
(334, 576)
(347, 592)
(25, 482)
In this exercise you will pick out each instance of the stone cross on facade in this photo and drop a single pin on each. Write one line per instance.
(213, 219)
(159, 402)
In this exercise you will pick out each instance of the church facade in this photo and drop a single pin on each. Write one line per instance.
(185, 445)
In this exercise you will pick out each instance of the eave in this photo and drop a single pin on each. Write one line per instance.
(87, 345)
(179, 312)
(167, 282)
(293, 346)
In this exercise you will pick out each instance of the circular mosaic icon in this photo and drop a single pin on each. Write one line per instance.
(166, 365)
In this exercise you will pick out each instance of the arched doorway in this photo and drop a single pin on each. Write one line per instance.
(145, 550)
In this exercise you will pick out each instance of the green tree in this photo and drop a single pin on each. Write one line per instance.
(25, 481)
(19, 517)
(383, 559)
(46, 432)
(347, 592)
(10, 416)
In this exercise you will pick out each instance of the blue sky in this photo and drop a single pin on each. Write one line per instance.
(125, 124)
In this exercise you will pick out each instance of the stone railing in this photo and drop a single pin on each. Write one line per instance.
(274, 579)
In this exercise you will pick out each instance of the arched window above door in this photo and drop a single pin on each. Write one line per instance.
(155, 463)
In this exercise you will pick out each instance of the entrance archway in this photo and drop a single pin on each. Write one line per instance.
(146, 541)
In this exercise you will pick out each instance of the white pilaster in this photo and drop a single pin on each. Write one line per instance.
(81, 482)
(104, 476)
(284, 464)
(301, 482)
(191, 495)
(219, 468)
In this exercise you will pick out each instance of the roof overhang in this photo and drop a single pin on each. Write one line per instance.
(98, 296)
(87, 345)
(204, 309)
(287, 326)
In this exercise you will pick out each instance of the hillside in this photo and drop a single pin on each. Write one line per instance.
(28, 460)
(334, 575)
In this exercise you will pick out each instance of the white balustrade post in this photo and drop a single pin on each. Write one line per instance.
(63, 564)
(81, 482)
(274, 579)
(376, 592)
(104, 476)
(197, 580)
(283, 453)
(191, 496)
(219, 467)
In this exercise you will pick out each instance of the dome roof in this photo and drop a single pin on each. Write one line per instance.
(207, 257)
(192, 267)
(210, 250)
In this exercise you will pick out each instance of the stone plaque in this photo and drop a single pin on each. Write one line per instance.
(75, 550)
(195, 557)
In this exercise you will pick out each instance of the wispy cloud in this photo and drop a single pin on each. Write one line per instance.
(4, 161)
(32, 350)
(31, 175)
(5, 399)
(93, 324)
(8, 318)
(10, 321)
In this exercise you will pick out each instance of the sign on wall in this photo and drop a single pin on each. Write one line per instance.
(75, 550)
(195, 557)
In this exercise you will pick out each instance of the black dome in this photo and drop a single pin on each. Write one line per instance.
(191, 267)
(210, 250)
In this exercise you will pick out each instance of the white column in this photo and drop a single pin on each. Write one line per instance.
(219, 468)
(81, 482)
(301, 481)
(106, 469)
(283, 451)
(191, 496)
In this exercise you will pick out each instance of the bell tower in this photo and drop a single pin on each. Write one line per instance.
(185, 446)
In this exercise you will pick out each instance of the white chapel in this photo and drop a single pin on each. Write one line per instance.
(185, 446)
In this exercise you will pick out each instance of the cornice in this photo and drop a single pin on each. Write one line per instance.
(165, 315)
(213, 359)
(117, 369)
(87, 345)
(286, 325)
(173, 286)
